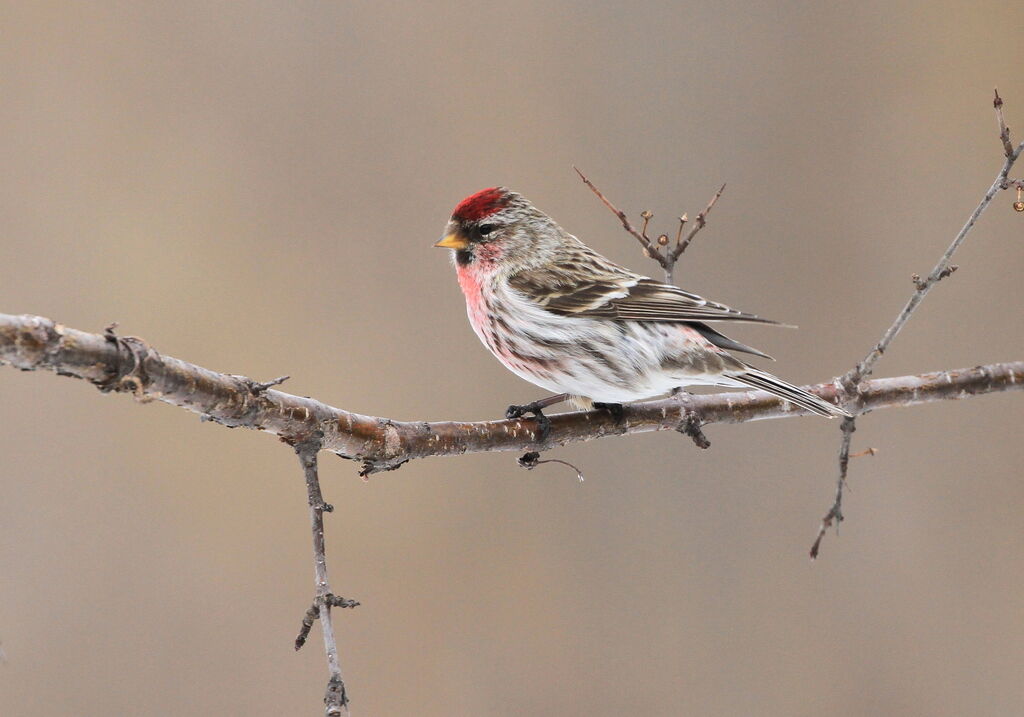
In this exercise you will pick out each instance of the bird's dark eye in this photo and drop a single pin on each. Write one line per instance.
(486, 229)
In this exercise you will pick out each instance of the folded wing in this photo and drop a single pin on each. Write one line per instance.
(594, 287)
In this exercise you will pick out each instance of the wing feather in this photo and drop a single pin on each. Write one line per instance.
(586, 284)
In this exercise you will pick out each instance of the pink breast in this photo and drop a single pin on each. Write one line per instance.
(472, 289)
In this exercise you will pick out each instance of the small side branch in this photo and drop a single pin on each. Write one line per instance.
(657, 249)
(335, 698)
(943, 269)
(683, 242)
(835, 513)
(314, 612)
(650, 249)
(531, 460)
(1004, 131)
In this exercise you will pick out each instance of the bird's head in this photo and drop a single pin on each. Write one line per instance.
(499, 228)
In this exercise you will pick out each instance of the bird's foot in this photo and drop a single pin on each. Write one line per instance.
(615, 409)
(537, 409)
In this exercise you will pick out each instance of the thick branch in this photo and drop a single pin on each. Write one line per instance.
(129, 365)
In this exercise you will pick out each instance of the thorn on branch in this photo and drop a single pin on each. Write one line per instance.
(256, 388)
(871, 451)
(531, 460)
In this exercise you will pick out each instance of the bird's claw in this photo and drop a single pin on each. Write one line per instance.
(615, 409)
(543, 422)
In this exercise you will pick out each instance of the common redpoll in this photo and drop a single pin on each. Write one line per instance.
(565, 318)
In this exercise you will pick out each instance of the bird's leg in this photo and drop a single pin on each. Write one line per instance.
(615, 409)
(537, 409)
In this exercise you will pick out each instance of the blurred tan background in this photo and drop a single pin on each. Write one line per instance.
(255, 187)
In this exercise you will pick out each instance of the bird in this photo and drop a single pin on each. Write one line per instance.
(565, 318)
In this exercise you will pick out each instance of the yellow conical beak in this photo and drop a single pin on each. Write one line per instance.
(453, 241)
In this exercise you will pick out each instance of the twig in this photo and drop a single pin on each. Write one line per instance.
(870, 451)
(942, 270)
(921, 288)
(314, 612)
(667, 261)
(259, 387)
(531, 460)
(681, 246)
(641, 236)
(1004, 131)
(335, 698)
(835, 513)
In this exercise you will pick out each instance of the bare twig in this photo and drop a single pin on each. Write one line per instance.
(657, 250)
(314, 612)
(531, 460)
(335, 698)
(942, 270)
(835, 513)
(641, 236)
(1004, 131)
(259, 387)
(681, 245)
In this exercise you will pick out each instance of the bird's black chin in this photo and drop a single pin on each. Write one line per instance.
(463, 257)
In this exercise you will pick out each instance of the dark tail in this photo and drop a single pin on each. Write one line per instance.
(766, 382)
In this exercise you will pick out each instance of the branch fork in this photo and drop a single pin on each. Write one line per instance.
(658, 249)
(942, 270)
(335, 697)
